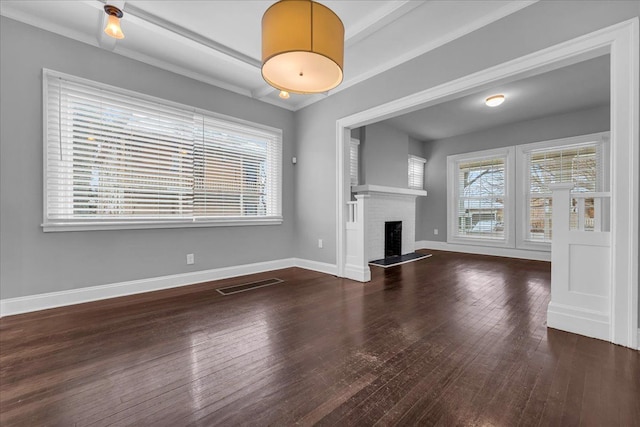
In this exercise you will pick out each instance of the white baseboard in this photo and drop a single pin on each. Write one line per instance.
(321, 267)
(579, 321)
(357, 272)
(484, 250)
(11, 306)
(638, 340)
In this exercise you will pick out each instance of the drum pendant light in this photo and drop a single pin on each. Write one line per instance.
(302, 47)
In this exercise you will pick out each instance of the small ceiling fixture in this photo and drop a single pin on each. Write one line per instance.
(494, 100)
(284, 94)
(113, 24)
(302, 47)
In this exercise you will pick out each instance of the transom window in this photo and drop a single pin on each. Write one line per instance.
(116, 157)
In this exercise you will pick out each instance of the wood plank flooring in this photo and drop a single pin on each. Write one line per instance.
(453, 339)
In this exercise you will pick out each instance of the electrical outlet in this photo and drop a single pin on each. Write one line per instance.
(435, 231)
(190, 259)
(320, 243)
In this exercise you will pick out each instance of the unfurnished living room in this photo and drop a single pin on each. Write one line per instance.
(341, 213)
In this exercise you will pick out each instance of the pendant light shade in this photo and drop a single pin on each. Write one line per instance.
(302, 47)
(113, 22)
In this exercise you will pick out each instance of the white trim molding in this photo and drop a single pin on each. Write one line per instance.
(358, 273)
(320, 267)
(621, 41)
(484, 250)
(579, 321)
(30, 303)
(369, 188)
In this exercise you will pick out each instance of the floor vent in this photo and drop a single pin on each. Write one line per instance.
(229, 290)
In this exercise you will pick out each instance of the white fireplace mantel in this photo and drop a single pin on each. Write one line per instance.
(379, 204)
(369, 189)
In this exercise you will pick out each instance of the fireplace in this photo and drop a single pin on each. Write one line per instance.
(387, 204)
(392, 238)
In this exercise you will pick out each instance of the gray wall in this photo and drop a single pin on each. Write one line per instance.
(536, 27)
(384, 153)
(416, 148)
(32, 261)
(433, 208)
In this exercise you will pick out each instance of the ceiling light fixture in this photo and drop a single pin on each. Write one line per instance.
(113, 24)
(302, 47)
(284, 94)
(494, 100)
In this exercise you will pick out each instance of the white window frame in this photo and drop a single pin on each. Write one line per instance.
(523, 180)
(453, 161)
(419, 161)
(115, 223)
(354, 164)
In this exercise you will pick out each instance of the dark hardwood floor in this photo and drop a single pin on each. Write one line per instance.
(449, 340)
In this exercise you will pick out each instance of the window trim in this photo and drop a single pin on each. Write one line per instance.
(508, 153)
(522, 179)
(88, 224)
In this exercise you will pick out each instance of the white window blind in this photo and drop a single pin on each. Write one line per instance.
(416, 172)
(481, 198)
(579, 164)
(115, 156)
(353, 161)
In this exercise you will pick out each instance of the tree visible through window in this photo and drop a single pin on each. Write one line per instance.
(481, 198)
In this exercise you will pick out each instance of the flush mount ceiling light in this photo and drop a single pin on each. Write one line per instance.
(302, 47)
(494, 100)
(113, 24)
(284, 94)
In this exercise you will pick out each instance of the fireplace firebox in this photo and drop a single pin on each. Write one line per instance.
(392, 238)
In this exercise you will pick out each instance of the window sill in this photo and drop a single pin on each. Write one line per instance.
(481, 241)
(534, 245)
(141, 225)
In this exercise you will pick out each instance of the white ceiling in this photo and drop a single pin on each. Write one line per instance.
(575, 87)
(218, 42)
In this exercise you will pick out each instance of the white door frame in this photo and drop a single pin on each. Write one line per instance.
(621, 42)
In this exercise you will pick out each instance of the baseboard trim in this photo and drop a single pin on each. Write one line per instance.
(638, 341)
(579, 321)
(321, 267)
(26, 304)
(484, 250)
(357, 272)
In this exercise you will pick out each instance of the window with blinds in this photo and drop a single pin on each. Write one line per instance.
(481, 194)
(354, 159)
(416, 172)
(119, 157)
(580, 164)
